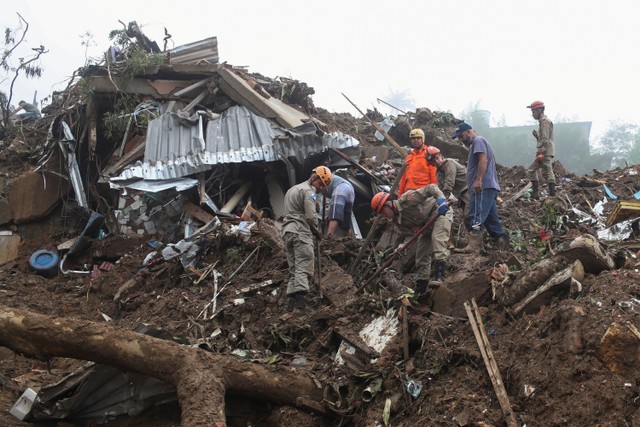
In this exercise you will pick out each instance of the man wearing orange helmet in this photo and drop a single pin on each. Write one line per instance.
(418, 172)
(299, 226)
(452, 176)
(545, 150)
(409, 213)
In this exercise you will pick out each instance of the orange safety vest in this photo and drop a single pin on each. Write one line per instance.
(418, 172)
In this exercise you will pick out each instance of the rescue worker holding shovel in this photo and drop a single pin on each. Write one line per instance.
(545, 150)
(482, 182)
(409, 213)
(299, 227)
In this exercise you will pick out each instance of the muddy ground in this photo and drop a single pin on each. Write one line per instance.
(551, 361)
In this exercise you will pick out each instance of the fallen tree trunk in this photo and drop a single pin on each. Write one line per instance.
(201, 378)
(567, 279)
(536, 275)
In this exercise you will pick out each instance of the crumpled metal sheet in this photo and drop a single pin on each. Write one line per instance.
(178, 147)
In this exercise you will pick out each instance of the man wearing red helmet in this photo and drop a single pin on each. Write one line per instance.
(545, 150)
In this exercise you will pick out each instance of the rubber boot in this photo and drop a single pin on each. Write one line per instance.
(439, 273)
(552, 189)
(291, 303)
(421, 288)
(473, 246)
(503, 243)
(300, 301)
(535, 190)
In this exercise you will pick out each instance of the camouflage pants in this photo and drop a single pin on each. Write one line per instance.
(300, 258)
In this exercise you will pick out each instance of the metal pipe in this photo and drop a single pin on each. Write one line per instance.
(372, 389)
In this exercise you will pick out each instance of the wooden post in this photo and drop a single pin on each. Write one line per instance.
(490, 362)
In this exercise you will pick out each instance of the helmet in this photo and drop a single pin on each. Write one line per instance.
(324, 173)
(417, 133)
(536, 104)
(431, 153)
(378, 201)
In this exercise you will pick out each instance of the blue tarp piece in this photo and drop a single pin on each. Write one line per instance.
(609, 193)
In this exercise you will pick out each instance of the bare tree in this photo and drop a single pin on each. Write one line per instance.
(27, 65)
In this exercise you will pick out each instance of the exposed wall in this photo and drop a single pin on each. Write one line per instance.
(515, 145)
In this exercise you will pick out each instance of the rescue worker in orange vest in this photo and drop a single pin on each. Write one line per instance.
(299, 226)
(418, 172)
(409, 213)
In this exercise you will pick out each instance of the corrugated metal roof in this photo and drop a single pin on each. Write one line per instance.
(176, 147)
(196, 52)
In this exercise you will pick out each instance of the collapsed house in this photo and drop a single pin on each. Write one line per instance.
(201, 145)
(199, 139)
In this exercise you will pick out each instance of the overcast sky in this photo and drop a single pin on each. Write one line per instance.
(579, 57)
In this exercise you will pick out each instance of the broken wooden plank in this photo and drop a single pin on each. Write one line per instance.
(356, 342)
(197, 212)
(194, 86)
(238, 89)
(490, 363)
(518, 194)
(195, 101)
(136, 153)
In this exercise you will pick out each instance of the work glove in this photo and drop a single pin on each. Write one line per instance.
(443, 207)
(539, 157)
(452, 199)
(316, 232)
(401, 251)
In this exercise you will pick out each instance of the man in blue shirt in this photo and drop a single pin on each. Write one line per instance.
(340, 206)
(482, 182)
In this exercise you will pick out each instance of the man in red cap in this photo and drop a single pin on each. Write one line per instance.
(545, 150)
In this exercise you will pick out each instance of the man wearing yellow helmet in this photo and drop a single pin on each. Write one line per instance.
(299, 226)
(418, 172)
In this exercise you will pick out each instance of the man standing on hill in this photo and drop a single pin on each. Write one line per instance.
(299, 226)
(545, 150)
(418, 172)
(482, 182)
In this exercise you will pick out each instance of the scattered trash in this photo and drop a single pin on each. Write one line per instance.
(414, 388)
(23, 405)
(371, 390)
(609, 193)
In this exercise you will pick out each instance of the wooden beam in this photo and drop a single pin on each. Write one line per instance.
(490, 362)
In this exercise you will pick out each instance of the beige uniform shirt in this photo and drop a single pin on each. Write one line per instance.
(452, 177)
(300, 209)
(415, 207)
(545, 137)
